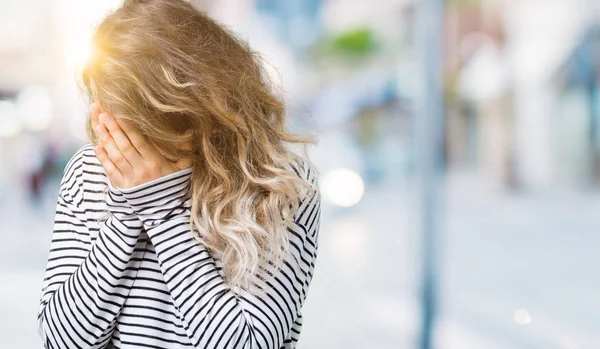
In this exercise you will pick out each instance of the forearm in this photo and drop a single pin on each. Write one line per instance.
(80, 302)
(213, 315)
(210, 312)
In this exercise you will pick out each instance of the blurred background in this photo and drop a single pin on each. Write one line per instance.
(512, 250)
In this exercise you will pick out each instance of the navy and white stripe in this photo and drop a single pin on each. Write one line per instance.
(139, 278)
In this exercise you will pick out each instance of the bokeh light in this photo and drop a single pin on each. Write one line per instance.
(343, 187)
(522, 317)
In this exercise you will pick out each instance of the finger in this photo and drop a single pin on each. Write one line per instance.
(184, 163)
(113, 152)
(120, 138)
(114, 175)
(94, 113)
(141, 143)
(187, 145)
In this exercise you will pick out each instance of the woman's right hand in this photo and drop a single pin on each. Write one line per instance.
(127, 156)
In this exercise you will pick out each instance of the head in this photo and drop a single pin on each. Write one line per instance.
(181, 78)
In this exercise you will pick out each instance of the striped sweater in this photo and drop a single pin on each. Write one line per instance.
(139, 279)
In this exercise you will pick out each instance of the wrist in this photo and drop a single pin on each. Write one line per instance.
(161, 199)
(117, 203)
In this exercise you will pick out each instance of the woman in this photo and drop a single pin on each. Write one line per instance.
(186, 222)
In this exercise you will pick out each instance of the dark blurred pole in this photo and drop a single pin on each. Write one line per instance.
(429, 142)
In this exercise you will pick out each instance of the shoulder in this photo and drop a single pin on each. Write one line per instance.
(310, 195)
(308, 212)
(310, 172)
(82, 169)
(305, 169)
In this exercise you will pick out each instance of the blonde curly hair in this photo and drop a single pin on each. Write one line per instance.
(169, 68)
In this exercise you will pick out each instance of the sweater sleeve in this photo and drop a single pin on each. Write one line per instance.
(213, 315)
(87, 279)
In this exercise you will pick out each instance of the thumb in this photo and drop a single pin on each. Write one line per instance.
(183, 164)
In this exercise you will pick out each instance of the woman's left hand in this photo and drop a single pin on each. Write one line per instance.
(128, 158)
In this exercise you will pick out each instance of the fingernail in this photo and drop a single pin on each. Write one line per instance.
(98, 150)
(100, 132)
(108, 119)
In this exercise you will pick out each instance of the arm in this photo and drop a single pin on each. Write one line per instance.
(212, 314)
(86, 280)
